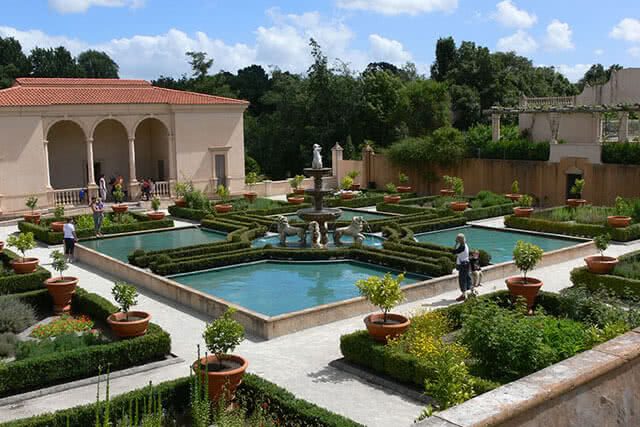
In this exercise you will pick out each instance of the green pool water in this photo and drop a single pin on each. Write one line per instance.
(120, 247)
(348, 214)
(274, 288)
(499, 244)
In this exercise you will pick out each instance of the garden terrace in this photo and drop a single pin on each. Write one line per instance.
(585, 221)
(113, 224)
(623, 281)
(61, 366)
(12, 283)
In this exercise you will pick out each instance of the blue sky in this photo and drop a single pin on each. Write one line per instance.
(149, 37)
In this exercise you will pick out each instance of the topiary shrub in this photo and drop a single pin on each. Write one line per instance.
(15, 315)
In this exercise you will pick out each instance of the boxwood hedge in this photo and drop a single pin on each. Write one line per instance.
(17, 283)
(573, 229)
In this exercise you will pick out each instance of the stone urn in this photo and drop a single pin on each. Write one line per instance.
(155, 215)
(24, 265)
(223, 208)
(574, 203)
(391, 198)
(57, 226)
(225, 380)
(514, 197)
(601, 264)
(445, 192)
(129, 325)
(295, 200)
(524, 287)
(61, 290)
(119, 209)
(395, 325)
(522, 212)
(32, 217)
(617, 221)
(459, 206)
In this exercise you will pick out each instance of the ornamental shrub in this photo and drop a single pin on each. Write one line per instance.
(125, 296)
(627, 153)
(383, 292)
(602, 242)
(223, 335)
(22, 242)
(526, 256)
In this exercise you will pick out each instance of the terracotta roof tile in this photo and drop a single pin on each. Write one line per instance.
(32, 91)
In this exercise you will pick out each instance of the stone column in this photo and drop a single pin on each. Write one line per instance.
(134, 186)
(172, 164)
(495, 127)
(267, 187)
(367, 165)
(336, 157)
(91, 182)
(554, 124)
(597, 125)
(47, 172)
(623, 129)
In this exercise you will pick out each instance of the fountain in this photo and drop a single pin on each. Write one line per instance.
(318, 213)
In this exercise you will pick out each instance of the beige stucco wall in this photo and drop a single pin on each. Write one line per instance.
(622, 88)
(577, 128)
(67, 155)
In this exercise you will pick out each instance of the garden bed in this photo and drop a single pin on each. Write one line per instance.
(11, 283)
(467, 349)
(113, 224)
(72, 359)
(623, 281)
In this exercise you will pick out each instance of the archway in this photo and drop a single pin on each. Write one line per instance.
(67, 155)
(111, 150)
(152, 150)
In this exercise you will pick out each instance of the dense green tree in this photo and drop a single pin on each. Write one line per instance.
(199, 64)
(251, 83)
(446, 52)
(382, 102)
(98, 65)
(13, 62)
(597, 75)
(425, 106)
(53, 62)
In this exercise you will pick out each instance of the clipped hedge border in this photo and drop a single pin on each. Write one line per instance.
(573, 229)
(619, 285)
(188, 213)
(38, 372)
(436, 224)
(253, 392)
(17, 283)
(488, 212)
(43, 233)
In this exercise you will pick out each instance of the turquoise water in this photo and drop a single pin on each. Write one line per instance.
(293, 241)
(499, 244)
(120, 247)
(274, 288)
(348, 214)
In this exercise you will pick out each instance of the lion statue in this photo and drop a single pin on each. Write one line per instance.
(316, 238)
(354, 230)
(285, 230)
(317, 157)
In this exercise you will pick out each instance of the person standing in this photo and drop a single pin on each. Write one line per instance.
(102, 188)
(70, 239)
(97, 209)
(476, 271)
(461, 251)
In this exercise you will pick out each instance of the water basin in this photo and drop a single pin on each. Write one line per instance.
(293, 241)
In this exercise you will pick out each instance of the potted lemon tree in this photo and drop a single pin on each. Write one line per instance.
(526, 257)
(58, 219)
(223, 193)
(353, 175)
(221, 371)
(460, 204)
(126, 323)
(296, 184)
(576, 190)
(524, 208)
(515, 195)
(251, 179)
(385, 293)
(61, 288)
(403, 180)
(391, 195)
(345, 186)
(23, 242)
(155, 214)
(601, 264)
(448, 190)
(33, 216)
(621, 218)
(118, 197)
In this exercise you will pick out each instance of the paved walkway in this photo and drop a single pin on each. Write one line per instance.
(298, 362)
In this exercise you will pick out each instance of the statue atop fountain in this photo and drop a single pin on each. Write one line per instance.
(319, 213)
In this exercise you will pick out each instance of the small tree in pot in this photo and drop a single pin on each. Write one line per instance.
(155, 214)
(118, 197)
(403, 180)
(223, 371)
(526, 257)
(182, 188)
(224, 194)
(576, 190)
(448, 190)
(345, 186)
(126, 323)
(515, 192)
(23, 242)
(57, 224)
(34, 217)
(61, 288)
(460, 204)
(622, 209)
(601, 264)
(385, 293)
(391, 195)
(524, 208)
(295, 184)
(250, 180)
(353, 175)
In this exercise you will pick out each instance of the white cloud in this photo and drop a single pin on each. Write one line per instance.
(558, 36)
(510, 16)
(400, 7)
(628, 29)
(598, 52)
(634, 51)
(520, 42)
(384, 49)
(80, 6)
(573, 72)
(32, 38)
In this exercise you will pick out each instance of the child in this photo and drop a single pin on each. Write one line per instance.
(476, 271)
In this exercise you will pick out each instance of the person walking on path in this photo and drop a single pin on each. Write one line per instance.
(97, 209)
(461, 251)
(102, 188)
(70, 239)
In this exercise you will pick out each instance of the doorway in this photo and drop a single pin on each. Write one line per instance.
(221, 169)
(571, 180)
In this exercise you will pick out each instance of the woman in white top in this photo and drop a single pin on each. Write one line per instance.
(461, 250)
(102, 188)
(70, 239)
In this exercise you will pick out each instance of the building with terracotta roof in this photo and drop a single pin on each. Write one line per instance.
(58, 136)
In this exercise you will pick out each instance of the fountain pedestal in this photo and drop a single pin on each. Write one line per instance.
(319, 213)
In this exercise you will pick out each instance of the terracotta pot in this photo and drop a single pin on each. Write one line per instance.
(251, 196)
(601, 264)
(299, 191)
(522, 212)
(61, 290)
(295, 200)
(224, 381)
(180, 202)
(574, 203)
(404, 189)
(447, 193)
(382, 331)
(390, 198)
(135, 327)
(513, 197)
(28, 265)
(155, 215)
(119, 208)
(527, 288)
(346, 195)
(619, 221)
(57, 226)
(459, 206)
(32, 217)
(223, 208)
(355, 187)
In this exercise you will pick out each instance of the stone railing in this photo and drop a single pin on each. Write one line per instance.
(547, 101)
(70, 196)
(162, 189)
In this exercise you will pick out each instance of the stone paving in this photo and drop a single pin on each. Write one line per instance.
(298, 362)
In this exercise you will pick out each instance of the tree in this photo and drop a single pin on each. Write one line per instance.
(53, 62)
(98, 65)
(381, 99)
(426, 106)
(597, 75)
(465, 106)
(251, 83)
(445, 58)
(199, 64)
(13, 62)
